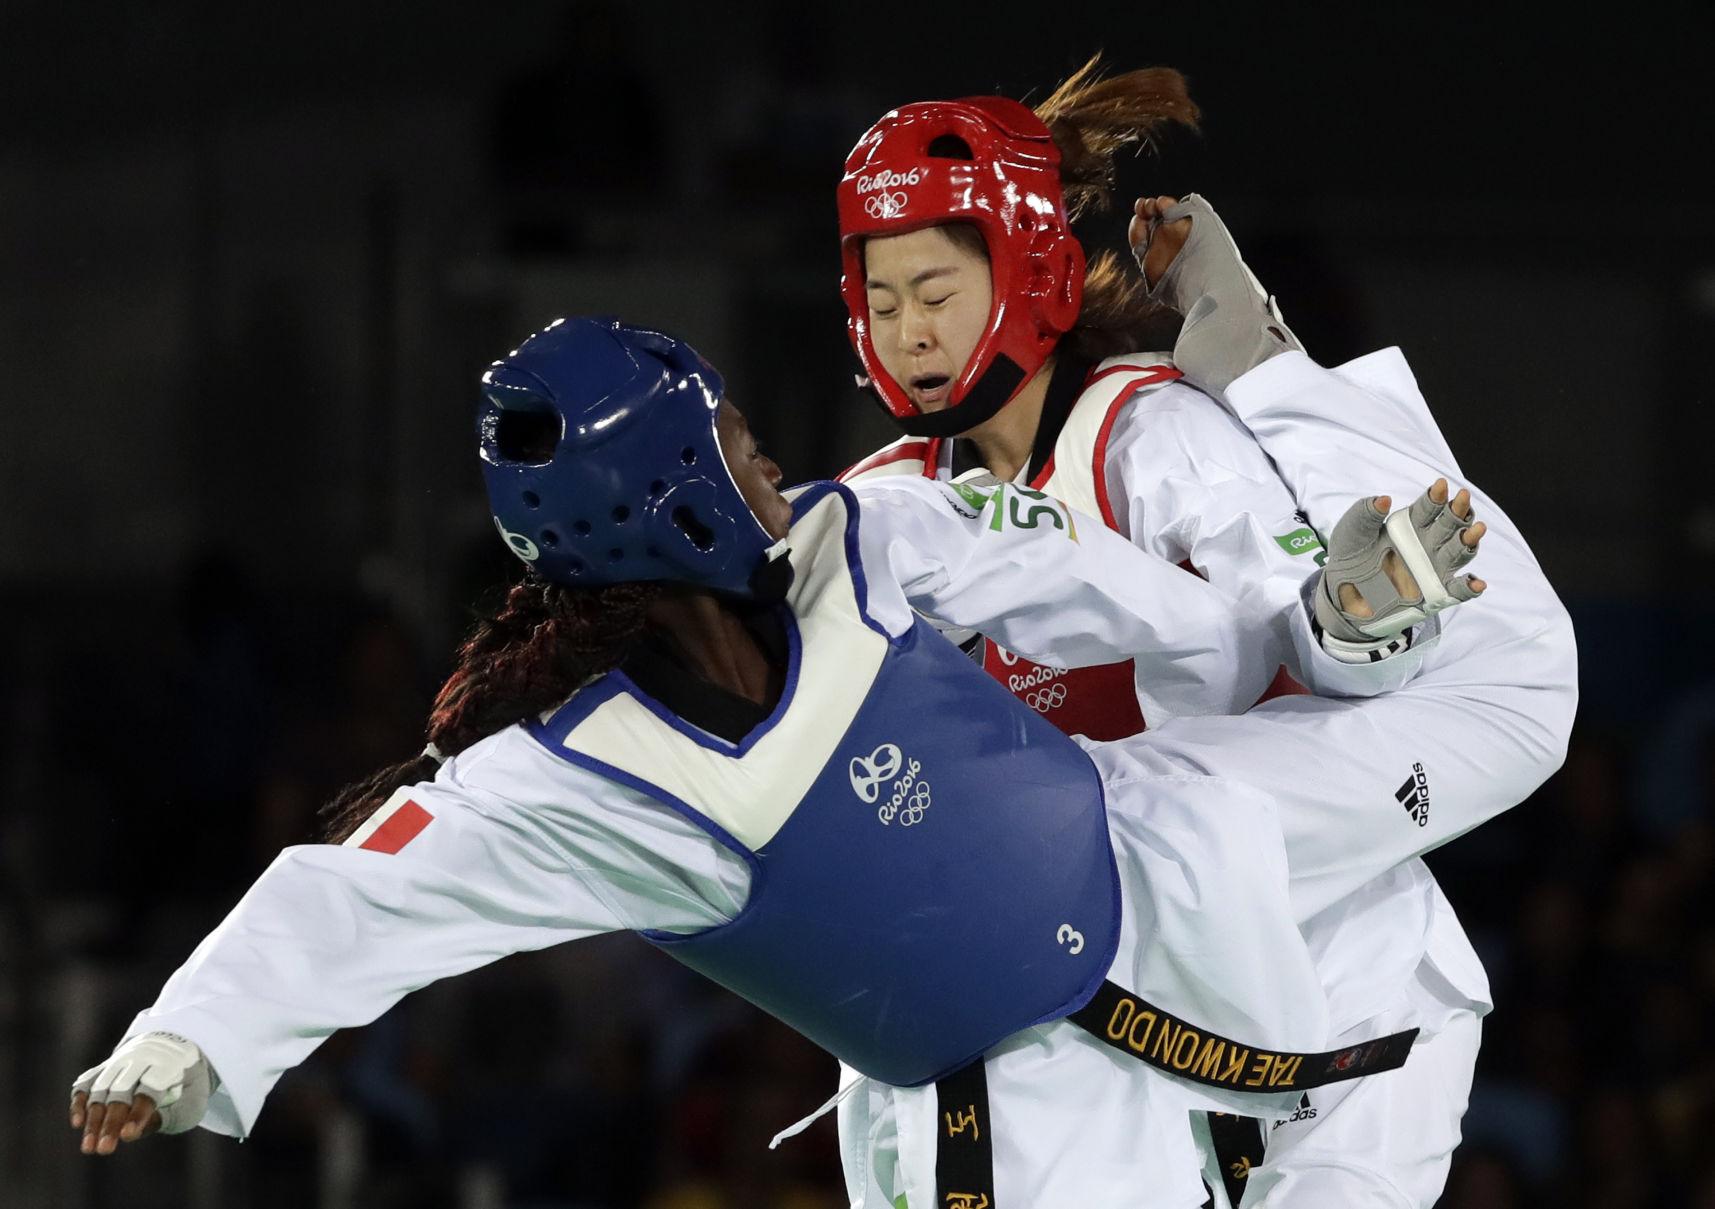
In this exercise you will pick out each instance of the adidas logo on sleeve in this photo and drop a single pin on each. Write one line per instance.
(1414, 795)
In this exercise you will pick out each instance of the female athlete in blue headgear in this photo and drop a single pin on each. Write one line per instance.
(712, 716)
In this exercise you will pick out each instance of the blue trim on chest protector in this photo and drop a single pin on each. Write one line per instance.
(909, 948)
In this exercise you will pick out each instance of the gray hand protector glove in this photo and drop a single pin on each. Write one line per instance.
(1425, 539)
(163, 1066)
(1231, 324)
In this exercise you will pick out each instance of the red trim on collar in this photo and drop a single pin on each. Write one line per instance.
(1168, 370)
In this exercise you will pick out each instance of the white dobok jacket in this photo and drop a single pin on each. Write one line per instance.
(523, 850)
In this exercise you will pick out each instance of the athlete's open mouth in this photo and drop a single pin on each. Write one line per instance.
(931, 388)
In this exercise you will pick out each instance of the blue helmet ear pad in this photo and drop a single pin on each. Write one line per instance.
(691, 527)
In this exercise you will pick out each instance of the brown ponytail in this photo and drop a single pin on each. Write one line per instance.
(1091, 120)
(535, 651)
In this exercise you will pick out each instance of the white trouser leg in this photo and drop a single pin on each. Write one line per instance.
(1385, 1142)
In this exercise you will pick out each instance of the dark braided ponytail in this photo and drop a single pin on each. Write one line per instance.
(535, 651)
(1092, 119)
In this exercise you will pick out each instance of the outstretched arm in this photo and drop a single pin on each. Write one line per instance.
(1060, 588)
(446, 877)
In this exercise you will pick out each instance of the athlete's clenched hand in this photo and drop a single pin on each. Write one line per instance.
(158, 1081)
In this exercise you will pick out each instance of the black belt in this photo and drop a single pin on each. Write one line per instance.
(964, 1148)
(1238, 1143)
(1134, 1026)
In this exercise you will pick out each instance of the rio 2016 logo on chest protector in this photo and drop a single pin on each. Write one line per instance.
(887, 769)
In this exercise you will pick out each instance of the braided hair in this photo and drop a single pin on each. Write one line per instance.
(542, 644)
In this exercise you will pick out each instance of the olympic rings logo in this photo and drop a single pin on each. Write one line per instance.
(914, 809)
(885, 205)
(1045, 699)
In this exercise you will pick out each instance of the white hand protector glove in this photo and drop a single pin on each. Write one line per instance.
(163, 1066)
(1232, 325)
(1403, 567)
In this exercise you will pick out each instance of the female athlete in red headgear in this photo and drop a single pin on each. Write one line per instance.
(997, 348)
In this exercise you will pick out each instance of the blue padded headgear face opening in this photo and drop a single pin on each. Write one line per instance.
(603, 465)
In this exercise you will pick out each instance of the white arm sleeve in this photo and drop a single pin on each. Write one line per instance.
(1192, 485)
(1060, 588)
(1511, 653)
(332, 936)
(1364, 786)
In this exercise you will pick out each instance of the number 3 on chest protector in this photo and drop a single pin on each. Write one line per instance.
(1070, 935)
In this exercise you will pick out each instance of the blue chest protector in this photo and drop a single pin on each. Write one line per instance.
(930, 863)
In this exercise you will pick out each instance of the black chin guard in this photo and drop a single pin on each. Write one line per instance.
(991, 393)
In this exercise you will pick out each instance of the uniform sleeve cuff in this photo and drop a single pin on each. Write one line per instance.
(235, 1104)
(1330, 675)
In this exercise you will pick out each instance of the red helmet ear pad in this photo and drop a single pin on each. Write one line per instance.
(1056, 281)
(1009, 189)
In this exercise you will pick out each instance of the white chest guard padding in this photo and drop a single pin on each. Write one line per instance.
(750, 792)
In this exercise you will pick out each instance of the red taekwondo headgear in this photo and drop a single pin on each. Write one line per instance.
(1009, 189)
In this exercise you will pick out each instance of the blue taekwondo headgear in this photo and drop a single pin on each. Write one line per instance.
(603, 466)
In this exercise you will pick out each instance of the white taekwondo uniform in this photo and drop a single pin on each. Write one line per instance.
(1167, 466)
(513, 847)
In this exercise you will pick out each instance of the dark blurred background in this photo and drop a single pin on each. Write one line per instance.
(252, 259)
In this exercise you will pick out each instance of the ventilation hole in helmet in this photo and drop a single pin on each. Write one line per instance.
(688, 456)
(526, 436)
(657, 487)
(950, 147)
(581, 528)
(532, 500)
(616, 555)
(550, 538)
(575, 566)
(702, 537)
(621, 514)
